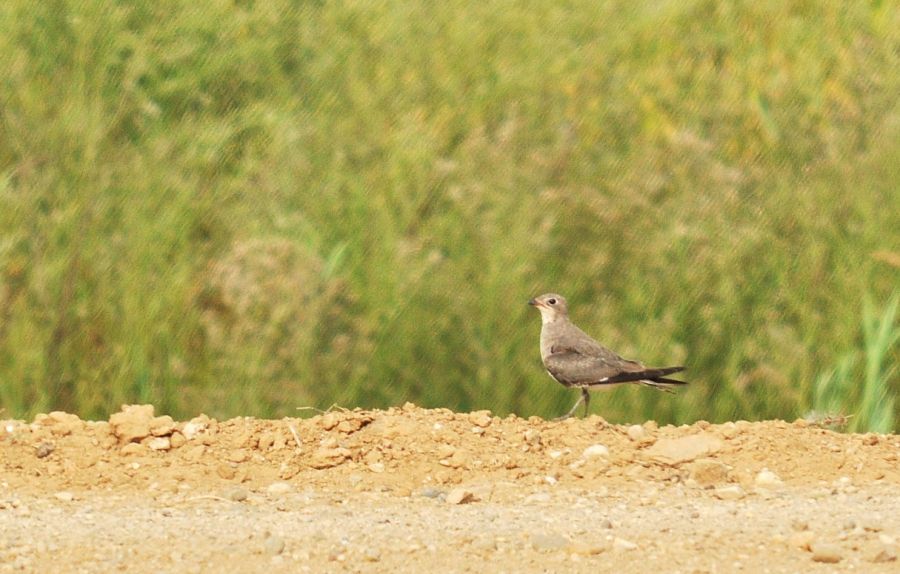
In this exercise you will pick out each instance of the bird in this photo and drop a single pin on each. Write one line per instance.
(574, 359)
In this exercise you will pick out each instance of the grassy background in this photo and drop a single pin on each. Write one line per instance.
(241, 207)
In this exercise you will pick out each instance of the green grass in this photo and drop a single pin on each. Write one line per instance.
(863, 398)
(246, 207)
(880, 335)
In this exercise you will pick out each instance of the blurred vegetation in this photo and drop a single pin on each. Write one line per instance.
(875, 397)
(242, 207)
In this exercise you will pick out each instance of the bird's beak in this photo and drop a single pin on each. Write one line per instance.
(533, 302)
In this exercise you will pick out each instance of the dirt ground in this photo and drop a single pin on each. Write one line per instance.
(414, 490)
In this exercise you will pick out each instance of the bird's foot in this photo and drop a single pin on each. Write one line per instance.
(585, 398)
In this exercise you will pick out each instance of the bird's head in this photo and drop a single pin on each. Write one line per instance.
(551, 306)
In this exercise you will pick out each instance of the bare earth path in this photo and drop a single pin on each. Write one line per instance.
(413, 490)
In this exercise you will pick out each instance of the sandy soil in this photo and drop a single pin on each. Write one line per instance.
(413, 490)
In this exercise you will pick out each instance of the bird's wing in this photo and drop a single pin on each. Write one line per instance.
(569, 366)
(575, 340)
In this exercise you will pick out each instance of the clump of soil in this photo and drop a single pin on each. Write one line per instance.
(407, 487)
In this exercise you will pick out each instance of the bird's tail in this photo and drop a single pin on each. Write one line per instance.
(645, 376)
(662, 384)
(657, 374)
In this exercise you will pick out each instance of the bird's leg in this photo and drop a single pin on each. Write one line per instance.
(575, 406)
(586, 396)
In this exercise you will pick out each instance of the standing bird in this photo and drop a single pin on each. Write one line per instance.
(574, 359)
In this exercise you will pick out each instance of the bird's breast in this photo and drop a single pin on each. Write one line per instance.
(547, 338)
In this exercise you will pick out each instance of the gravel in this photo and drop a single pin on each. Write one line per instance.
(247, 495)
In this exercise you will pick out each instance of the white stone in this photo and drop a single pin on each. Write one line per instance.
(159, 443)
(278, 488)
(595, 450)
(622, 544)
(768, 479)
(636, 432)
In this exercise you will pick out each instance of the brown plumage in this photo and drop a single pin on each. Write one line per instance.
(574, 359)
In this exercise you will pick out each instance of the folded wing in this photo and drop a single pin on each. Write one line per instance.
(600, 366)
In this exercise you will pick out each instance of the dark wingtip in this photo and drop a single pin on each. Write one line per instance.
(670, 370)
(648, 374)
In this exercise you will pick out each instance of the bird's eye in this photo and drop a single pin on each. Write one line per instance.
(551, 301)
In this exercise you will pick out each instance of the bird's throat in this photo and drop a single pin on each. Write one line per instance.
(548, 317)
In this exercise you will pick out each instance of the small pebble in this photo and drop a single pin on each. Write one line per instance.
(707, 472)
(329, 421)
(587, 549)
(826, 553)
(636, 432)
(767, 479)
(226, 471)
(44, 449)
(237, 494)
(480, 419)
(595, 450)
(193, 428)
(548, 541)
(238, 455)
(622, 544)
(460, 496)
(159, 443)
(279, 488)
(884, 554)
(371, 555)
(177, 439)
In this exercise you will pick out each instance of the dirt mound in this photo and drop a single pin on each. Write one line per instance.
(528, 493)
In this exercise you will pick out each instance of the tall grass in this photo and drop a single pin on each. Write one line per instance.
(864, 397)
(245, 207)
(881, 333)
